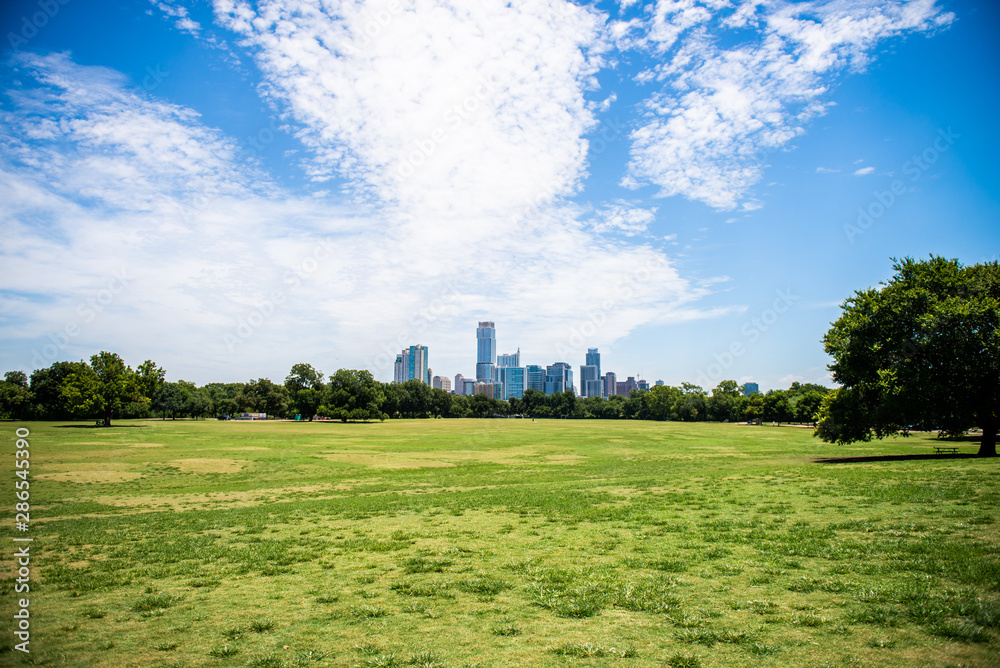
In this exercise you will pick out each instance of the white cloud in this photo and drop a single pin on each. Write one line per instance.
(722, 110)
(225, 268)
(826, 170)
(864, 171)
(623, 217)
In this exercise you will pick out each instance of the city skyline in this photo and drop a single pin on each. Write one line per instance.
(691, 188)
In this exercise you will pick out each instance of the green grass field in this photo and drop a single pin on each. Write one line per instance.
(500, 543)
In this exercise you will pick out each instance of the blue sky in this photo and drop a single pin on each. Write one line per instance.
(691, 186)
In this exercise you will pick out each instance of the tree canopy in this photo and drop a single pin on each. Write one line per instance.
(921, 351)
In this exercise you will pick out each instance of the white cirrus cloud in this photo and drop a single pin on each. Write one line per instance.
(620, 216)
(725, 103)
(864, 171)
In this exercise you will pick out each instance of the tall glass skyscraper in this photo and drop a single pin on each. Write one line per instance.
(486, 352)
(534, 378)
(410, 364)
(594, 359)
(590, 381)
(558, 378)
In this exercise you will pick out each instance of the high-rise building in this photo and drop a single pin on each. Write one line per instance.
(626, 387)
(442, 383)
(644, 385)
(594, 359)
(459, 387)
(512, 381)
(590, 382)
(400, 367)
(468, 386)
(751, 388)
(534, 378)
(512, 359)
(558, 378)
(410, 364)
(610, 384)
(486, 352)
(659, 383)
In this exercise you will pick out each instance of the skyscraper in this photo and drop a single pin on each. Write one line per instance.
(590, 383)
(594, 359)
(558, 378)
(534, 378)
(610, 386)
(512, 381)
(486, 352)
(410, 364)
(513, 359)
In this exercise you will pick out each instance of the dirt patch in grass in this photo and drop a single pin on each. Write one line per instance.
(99, 473)
(147, 445)
(208, 465)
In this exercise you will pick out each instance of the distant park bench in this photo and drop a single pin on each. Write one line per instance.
(945, 449)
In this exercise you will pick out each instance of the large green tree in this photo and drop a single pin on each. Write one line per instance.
(924, 349)
(15, 396)
(107, 386)
(305, 387)
(354, 395)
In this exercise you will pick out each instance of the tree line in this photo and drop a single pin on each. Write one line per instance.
(106, 388)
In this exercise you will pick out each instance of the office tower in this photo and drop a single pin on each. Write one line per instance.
(468, 386)
(459, 387)
(626, 387)
(512, 381)
(410, 364)
(610, 385)
(513, 359)
(442, 383)
(659, 383)
(486, 352)
(644, 385)
(590, 383)
(594, 359)
(400, 367)
(751, 388)
(534, 378)
(558, 378)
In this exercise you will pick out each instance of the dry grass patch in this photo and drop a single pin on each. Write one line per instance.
(208, 465)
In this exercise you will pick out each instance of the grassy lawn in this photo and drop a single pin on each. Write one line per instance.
(500, 543)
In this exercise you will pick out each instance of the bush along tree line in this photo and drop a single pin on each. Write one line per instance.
(108, 389)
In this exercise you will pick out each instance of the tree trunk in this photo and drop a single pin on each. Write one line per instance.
(107, 419)
(988, 445)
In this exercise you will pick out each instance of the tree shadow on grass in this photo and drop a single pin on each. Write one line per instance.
(891, 458)
(95, 426)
